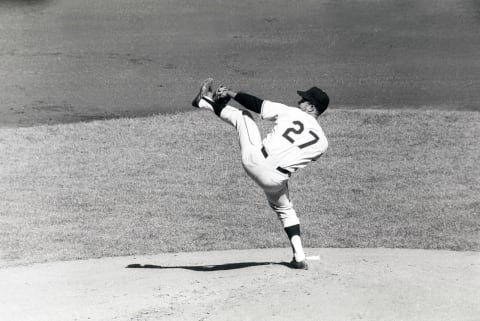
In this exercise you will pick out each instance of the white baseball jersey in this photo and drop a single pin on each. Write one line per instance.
(296, 138)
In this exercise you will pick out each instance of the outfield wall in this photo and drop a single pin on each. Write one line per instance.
(67, 61)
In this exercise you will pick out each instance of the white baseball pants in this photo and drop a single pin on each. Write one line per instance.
(262, 170)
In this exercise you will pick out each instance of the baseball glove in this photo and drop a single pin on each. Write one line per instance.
(221, 96)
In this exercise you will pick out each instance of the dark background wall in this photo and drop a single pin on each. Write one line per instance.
(71, 60)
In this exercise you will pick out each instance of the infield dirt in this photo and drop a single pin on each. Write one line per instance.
(345, 284)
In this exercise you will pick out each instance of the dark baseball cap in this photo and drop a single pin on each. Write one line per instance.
(317, 97)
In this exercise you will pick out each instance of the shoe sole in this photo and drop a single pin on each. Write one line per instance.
(299, 266)
(206, 85)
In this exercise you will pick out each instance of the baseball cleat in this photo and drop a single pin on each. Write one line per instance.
(302, 265)
(205, 90)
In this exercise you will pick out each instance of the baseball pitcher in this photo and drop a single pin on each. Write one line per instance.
(295, 140)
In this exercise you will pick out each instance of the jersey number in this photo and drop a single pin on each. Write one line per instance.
(297, 131)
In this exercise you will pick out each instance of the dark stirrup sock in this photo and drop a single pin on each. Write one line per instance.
(292, 231)
(217, 108)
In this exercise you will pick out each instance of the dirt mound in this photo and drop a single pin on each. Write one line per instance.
(345, 284)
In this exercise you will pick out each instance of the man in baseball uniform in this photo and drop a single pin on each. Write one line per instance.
(295, 140)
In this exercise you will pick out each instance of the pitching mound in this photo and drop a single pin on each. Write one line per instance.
(344, 284)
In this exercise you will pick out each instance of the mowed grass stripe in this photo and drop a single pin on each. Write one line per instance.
(406, 179)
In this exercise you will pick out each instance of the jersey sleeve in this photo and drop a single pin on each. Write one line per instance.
(249, 101)
(271, 110)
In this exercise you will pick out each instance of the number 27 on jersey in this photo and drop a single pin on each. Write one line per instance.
(293, 133)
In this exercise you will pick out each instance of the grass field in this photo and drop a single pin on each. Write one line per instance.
(404, 179)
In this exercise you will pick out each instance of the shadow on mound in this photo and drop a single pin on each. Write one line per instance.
(207, 268)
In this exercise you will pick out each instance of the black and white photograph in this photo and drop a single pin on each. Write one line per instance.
(235, 160)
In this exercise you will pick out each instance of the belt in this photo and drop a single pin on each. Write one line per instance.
(280, 169)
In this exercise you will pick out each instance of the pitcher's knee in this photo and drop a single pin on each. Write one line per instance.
(247, 114)
(286, 214)
(231, 115)
(247, 161)
(289, 220)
